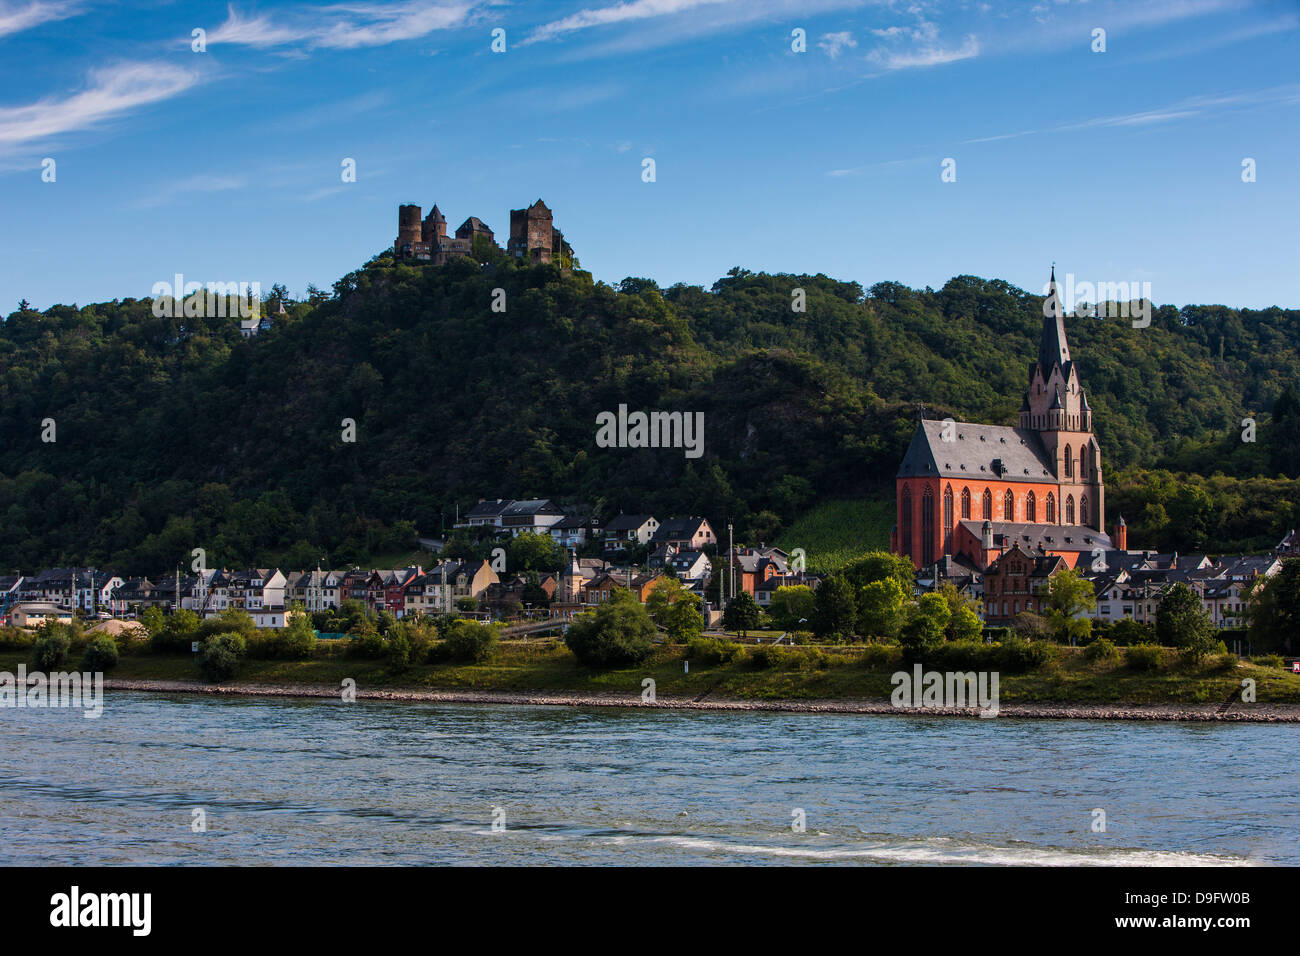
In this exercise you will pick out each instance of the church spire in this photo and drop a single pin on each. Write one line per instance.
(1052, 347)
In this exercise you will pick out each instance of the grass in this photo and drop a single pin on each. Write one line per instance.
(804, 673)
(836, 532)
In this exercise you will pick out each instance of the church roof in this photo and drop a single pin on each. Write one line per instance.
(1046, 537)
(979, 452)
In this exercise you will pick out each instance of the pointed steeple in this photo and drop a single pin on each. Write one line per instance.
(1052, 347)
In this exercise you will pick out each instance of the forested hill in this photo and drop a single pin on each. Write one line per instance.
(177, 433)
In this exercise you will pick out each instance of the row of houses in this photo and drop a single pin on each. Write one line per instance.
(575, 530)
(1127, 585)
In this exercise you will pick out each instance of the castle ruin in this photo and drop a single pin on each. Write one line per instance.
(533, 236)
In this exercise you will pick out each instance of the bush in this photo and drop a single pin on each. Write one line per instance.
(765, 656)
(1144, 657)
(1101, 651)
(712, 650)
(1016, 655)
(101, 655)
(219, 656)
(881, 655)
(371, 647)
(399, 651)
(15, 639)
(50, 649)
(470, 641)
(1269, 660)
(966, 656)
(618, 633)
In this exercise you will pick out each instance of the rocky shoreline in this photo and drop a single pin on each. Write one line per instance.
(1237, 713)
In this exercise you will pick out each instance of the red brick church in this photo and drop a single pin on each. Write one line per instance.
(973, 492)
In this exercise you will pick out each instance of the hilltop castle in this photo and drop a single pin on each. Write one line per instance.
(533, 236)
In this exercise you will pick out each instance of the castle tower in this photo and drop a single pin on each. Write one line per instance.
(1056, 408)
(409, 236)
(532, 233)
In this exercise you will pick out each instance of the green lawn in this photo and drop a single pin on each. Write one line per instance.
(833, 672)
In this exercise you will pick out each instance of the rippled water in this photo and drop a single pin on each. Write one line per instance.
(321, 782)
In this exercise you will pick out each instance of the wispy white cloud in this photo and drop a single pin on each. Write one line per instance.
(342, 26)
(192, 186)
(16, 17)
(925, 55)
(1288, 95)
(112, 91)
(836, 43)
(618, 13)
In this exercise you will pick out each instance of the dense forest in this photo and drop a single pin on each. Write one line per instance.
(175, 433)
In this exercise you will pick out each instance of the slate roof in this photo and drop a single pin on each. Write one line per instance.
(1048, 537)
(973, 452)
(627, 522)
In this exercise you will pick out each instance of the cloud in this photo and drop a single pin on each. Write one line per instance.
(926, 55)
(15, 17)
(834, 43)
(112, 90)
(342, 26)
(205, 183)
(619, 13)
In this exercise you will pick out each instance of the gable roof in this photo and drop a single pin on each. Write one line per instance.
(1048, 537)
(979, 452)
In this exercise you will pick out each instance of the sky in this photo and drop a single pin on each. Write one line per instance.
(899, 141)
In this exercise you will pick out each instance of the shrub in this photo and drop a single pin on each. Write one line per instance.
(966, 656)
(370, 647)
(101, 655)
(881, 655)
(50, 649)
(712, 650)
(219, 656)
(765, 656)
(399, 651)
(15, 639)
(1269, 660)
(470, 641)
(619, 632)
(1144, 657)
(1101, 651)
(1016, 655)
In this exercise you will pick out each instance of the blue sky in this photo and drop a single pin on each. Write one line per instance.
(225, 165)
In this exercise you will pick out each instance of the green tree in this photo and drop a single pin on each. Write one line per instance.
(471, 641)
(880, 607)
(741, 613)
(220, 655)
(926, 625)
(1182, 622)
(1273, 608)
(792, 605)
(835, 612)
(1069, 597)
(534, 552)
(675, 609)
(618, 633)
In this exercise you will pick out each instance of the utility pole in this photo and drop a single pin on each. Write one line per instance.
(731, 558)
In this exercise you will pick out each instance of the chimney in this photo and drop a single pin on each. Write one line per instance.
(1121, 534)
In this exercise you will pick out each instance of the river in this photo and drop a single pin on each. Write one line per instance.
(320, 782)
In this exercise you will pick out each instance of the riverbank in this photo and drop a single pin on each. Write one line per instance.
(1237, 713)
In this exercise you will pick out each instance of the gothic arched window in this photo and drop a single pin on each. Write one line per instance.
(907, 520)
(1049, 507)
(1069, 462)
(1009, 506)
(1083, 509)
(1069, 509)
(927, 527)
(947, 520)
(965, 504)
(1031, 508)
(988, 505)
